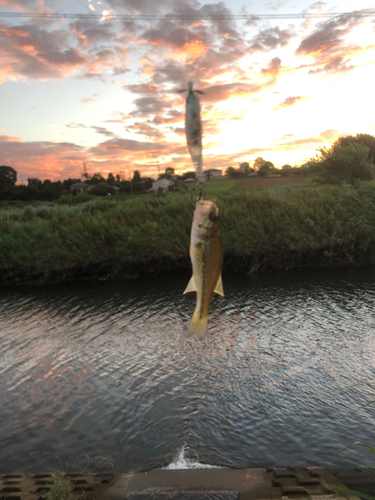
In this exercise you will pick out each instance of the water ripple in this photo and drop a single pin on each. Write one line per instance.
(106, 369)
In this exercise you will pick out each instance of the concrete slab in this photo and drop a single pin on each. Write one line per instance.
(246, 484)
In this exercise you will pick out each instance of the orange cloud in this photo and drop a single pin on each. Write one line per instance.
(190, 51)
(289, 101)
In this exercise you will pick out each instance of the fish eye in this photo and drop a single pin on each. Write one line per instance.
(212, 216)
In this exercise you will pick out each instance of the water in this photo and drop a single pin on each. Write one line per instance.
(101, 375)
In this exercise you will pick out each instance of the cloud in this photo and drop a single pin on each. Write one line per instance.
(89, 100)
(59, 160)
(289, 101)
(146, 130)
(329, 135)
(317, 5)
(117, 146)
(270, 39)
(150, 6)
(76, 125)
(30, 5)
(335, 65)
(103, 131)
(33, 51)
(327, 46)
(217, 93)
(276, 5)
(41, 158)
(273, 67)
(43, 49)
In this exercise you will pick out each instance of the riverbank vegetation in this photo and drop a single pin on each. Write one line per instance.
(267, 223)
(280, 227)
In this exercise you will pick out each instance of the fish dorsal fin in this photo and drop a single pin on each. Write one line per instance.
(219, 287)
(192, 287)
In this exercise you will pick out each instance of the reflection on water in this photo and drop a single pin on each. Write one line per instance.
(105, 370)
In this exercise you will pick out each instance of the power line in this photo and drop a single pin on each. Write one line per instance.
(242, 17)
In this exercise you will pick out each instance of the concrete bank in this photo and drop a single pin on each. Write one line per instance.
(199, 484)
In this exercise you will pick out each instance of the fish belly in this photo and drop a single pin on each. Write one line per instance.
(207, 261)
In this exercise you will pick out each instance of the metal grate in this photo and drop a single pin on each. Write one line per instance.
(297, 482)
(34, 487)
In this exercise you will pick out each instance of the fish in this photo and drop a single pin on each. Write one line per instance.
(193, 129)
(206, 253)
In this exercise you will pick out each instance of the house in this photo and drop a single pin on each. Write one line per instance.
(244, 168)
(213, 173)
(163, 184)
(79, 187)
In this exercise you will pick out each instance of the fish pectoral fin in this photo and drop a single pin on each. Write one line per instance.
(219, 287)
(192, 287)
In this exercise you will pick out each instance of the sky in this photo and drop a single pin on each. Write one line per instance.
(97, 84)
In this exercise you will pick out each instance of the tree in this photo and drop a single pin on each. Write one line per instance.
(364, 139)
(96, 179)
(136, 176)
(102, 189)
(68, 182)
(148, 183)
(265, 168)
(125, 187)
(231, 172)
(8, 176)
(343, 163)
(169, 171)
(34, 183)
(258, 163)
(50, 191)
(110, 179)
(188, 175)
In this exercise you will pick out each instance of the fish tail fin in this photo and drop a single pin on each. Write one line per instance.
(198, 325)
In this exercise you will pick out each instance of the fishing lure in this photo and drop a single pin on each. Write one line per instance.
(193, 129)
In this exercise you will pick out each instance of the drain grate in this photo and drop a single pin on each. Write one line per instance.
(297, 482)
(33, 487)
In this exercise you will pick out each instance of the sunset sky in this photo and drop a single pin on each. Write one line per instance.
(102, 89)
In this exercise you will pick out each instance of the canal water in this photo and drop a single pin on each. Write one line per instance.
(102, 375)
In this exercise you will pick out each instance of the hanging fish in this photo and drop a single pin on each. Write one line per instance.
(193, 129)
(206, 253)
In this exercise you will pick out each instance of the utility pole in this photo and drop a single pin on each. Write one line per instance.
(157, 166)
(85, 174)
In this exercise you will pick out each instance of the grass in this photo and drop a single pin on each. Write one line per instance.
(61, 487)
(278, 227)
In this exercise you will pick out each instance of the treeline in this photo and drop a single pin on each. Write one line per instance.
(96, 185)
(46, 190)
(349, 158)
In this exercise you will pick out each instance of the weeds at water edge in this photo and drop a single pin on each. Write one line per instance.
(61, 487)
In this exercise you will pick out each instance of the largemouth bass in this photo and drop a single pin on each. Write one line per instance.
(206, 253)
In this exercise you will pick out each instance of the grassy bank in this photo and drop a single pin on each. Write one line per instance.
(279, 227)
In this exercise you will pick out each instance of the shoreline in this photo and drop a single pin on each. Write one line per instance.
(200, 484)
(76, 277)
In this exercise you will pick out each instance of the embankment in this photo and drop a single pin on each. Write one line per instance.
(278, 228)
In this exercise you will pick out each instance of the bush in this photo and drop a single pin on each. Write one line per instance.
(343, 163)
